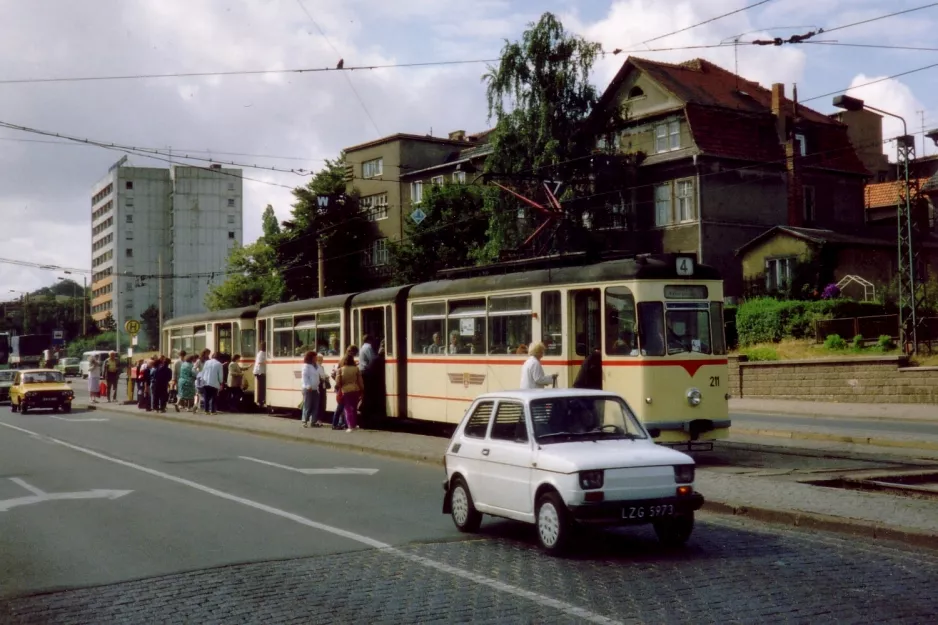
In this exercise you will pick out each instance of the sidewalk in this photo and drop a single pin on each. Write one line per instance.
(873, 515)
(903, 412)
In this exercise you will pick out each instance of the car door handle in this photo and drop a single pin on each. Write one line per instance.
(485, 452)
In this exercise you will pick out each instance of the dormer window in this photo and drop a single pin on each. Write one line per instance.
(801, 147)
(635, 92)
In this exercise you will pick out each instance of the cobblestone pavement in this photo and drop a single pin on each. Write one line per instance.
(733, 571)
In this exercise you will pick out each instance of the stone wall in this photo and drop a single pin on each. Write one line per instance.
(884, 379)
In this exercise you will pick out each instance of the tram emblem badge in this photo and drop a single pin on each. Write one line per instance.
(467, 379)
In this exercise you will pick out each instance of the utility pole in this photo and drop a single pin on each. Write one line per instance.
(320, 262)
(84, 305)
(921, 115)
(159, 264)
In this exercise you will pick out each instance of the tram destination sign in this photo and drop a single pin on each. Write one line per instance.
(685, 291)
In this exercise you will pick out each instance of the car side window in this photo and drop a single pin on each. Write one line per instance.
(478, 423)
(509, 424)
(17, 379)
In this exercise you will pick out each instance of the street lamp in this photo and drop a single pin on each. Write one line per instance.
(905, 148)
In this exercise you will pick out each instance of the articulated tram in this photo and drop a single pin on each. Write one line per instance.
(657, 322)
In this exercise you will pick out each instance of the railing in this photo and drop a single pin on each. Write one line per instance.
(848, 327)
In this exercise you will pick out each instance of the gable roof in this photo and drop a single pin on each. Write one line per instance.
(731, 117)
(817, 236)
(886, 194)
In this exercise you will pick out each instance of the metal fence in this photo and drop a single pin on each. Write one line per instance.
(848, 327)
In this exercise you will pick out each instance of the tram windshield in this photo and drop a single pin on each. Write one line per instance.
(681, 328)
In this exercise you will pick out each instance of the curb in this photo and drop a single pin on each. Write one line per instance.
(838, 438)
(827, 523)
(791, 412)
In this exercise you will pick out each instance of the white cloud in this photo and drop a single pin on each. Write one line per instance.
(896, 97)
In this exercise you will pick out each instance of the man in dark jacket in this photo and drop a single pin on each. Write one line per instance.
(591, 372)
(162, 376)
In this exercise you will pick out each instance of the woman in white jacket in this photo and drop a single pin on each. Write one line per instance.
(532, 373)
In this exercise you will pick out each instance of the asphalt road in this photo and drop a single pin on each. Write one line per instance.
(181, 526)
(871, 426)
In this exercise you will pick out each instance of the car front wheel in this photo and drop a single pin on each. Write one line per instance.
(554, 527)
(675, 532)
(464, 513)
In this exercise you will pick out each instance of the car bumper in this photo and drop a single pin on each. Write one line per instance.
(636, 512)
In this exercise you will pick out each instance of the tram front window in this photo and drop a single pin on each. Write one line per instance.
(688, 331)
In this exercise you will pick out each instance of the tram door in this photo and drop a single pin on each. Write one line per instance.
(224, 339)
(376, 322)
(586, 320)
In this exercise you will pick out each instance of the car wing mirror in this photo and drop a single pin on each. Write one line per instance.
(654, 432)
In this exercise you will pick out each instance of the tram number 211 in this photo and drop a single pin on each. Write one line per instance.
(714, 380)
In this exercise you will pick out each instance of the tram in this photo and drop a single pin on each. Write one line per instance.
(657, 322)
(230, 332)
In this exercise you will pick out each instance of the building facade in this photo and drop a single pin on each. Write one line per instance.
(146, 222)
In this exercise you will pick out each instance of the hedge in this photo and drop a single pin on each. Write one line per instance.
(768, 320)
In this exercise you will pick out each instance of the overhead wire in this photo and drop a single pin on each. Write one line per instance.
(707, 21)
(881, 17)
(871, 82)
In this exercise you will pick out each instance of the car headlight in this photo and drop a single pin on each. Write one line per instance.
(590, 480)
(694, 397)
(684, 473)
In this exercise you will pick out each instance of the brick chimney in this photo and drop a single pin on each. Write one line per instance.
(457, 135)
(784, 126)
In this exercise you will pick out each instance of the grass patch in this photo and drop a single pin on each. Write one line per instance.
(796, 349)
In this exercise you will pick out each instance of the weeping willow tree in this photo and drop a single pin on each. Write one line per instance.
(540, 96)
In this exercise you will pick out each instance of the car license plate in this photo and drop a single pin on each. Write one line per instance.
(648, 512)
(49, 400)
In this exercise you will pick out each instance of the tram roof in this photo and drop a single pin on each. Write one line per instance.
(380, 296)
(613, 270)
(306, 305)
(247, 312)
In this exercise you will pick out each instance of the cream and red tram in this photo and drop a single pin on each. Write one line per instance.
(658, 322)
(293, 328)
(229, 332)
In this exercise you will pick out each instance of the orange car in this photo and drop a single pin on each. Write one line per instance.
(40, 388)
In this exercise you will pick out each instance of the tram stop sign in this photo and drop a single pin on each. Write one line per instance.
(132, 326)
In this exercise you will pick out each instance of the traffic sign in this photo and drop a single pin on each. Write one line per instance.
(132, 326)
(418, 216)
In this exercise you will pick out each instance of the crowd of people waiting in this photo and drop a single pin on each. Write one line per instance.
(193, 382)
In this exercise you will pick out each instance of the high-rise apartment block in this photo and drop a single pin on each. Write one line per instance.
(180, 223)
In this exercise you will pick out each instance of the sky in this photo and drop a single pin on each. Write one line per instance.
(295, 120)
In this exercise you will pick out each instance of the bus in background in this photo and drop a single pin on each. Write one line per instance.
(4, 350)
(26, 350)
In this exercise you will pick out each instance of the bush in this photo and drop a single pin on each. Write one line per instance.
(857, 343)
(834, 341)
(761, 353)
(768, 320)
(885, 343)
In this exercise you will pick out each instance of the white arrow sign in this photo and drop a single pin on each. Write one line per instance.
(39, 496)
(334, 471)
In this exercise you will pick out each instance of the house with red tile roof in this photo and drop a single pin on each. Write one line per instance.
(723, 159)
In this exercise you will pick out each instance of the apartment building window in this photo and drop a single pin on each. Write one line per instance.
(129, 235)
(778, 273)
(685, 200)
(231, 234)
(667, 136)
(129, 219)
(129, 185)
(416, 192)
(377, 254)
(129, 252)
(231, 219)
(437, 181)
(375, 207)
(801, 147)
(231, 186)
(230, 202)
(129, 202)
(459, 177)
(809, 204)
(373, 168)
(663, 204)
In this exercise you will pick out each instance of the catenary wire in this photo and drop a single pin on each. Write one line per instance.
(881, 17)
(707, 21)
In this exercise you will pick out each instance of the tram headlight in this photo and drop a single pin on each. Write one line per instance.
(694, 397)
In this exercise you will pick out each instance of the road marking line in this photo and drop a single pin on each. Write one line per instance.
(333, 471)
(74, 420)
(28, 487)
(365, 540)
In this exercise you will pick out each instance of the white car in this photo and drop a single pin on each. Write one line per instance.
(559, 458)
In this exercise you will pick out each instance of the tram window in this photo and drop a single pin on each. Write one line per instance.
(465, 326)
(551, 322)
(717, 328)
(688, 330)
(586, 320)
(283, 337)
(389, 328)
(327, 334)
(248, 343)
(620, 322)
(651, 328)
(223, 338)
(304, 331)
(373, 325)
(509, 324)
(427, 328)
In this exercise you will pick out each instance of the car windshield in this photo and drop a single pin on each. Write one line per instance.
(70, 361)
(6, 376)
(560, 419)
(42, 377)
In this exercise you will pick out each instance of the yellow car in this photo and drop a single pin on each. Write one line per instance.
(40, 388)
